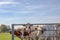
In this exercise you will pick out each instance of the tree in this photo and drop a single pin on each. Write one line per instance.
(0, 29)
(5, 28)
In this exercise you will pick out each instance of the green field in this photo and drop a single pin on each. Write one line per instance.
(7, 36)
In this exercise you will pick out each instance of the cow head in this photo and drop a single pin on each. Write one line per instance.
(16, 32)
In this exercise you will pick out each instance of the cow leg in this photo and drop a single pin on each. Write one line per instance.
(29, 38)
(36, 38)
(26, 38)
(21, 39)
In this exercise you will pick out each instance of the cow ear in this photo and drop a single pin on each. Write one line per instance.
(24, 25)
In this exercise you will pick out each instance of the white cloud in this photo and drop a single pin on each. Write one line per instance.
(3, 3)
(45, 19)
(32, 19)
(4, 20)
(26, 9)
(7, 0)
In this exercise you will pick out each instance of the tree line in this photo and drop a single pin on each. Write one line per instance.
(4, 28)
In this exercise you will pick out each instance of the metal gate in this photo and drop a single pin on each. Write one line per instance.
(55, 26)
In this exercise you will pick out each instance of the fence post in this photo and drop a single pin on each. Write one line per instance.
(12, 32)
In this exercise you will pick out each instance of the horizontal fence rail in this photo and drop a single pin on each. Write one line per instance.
(40, 24)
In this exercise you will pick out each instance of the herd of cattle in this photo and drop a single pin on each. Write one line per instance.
(30, 33)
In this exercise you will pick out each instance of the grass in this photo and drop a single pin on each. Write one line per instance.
(7, 36)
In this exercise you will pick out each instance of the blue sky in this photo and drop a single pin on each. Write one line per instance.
(33, 11)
